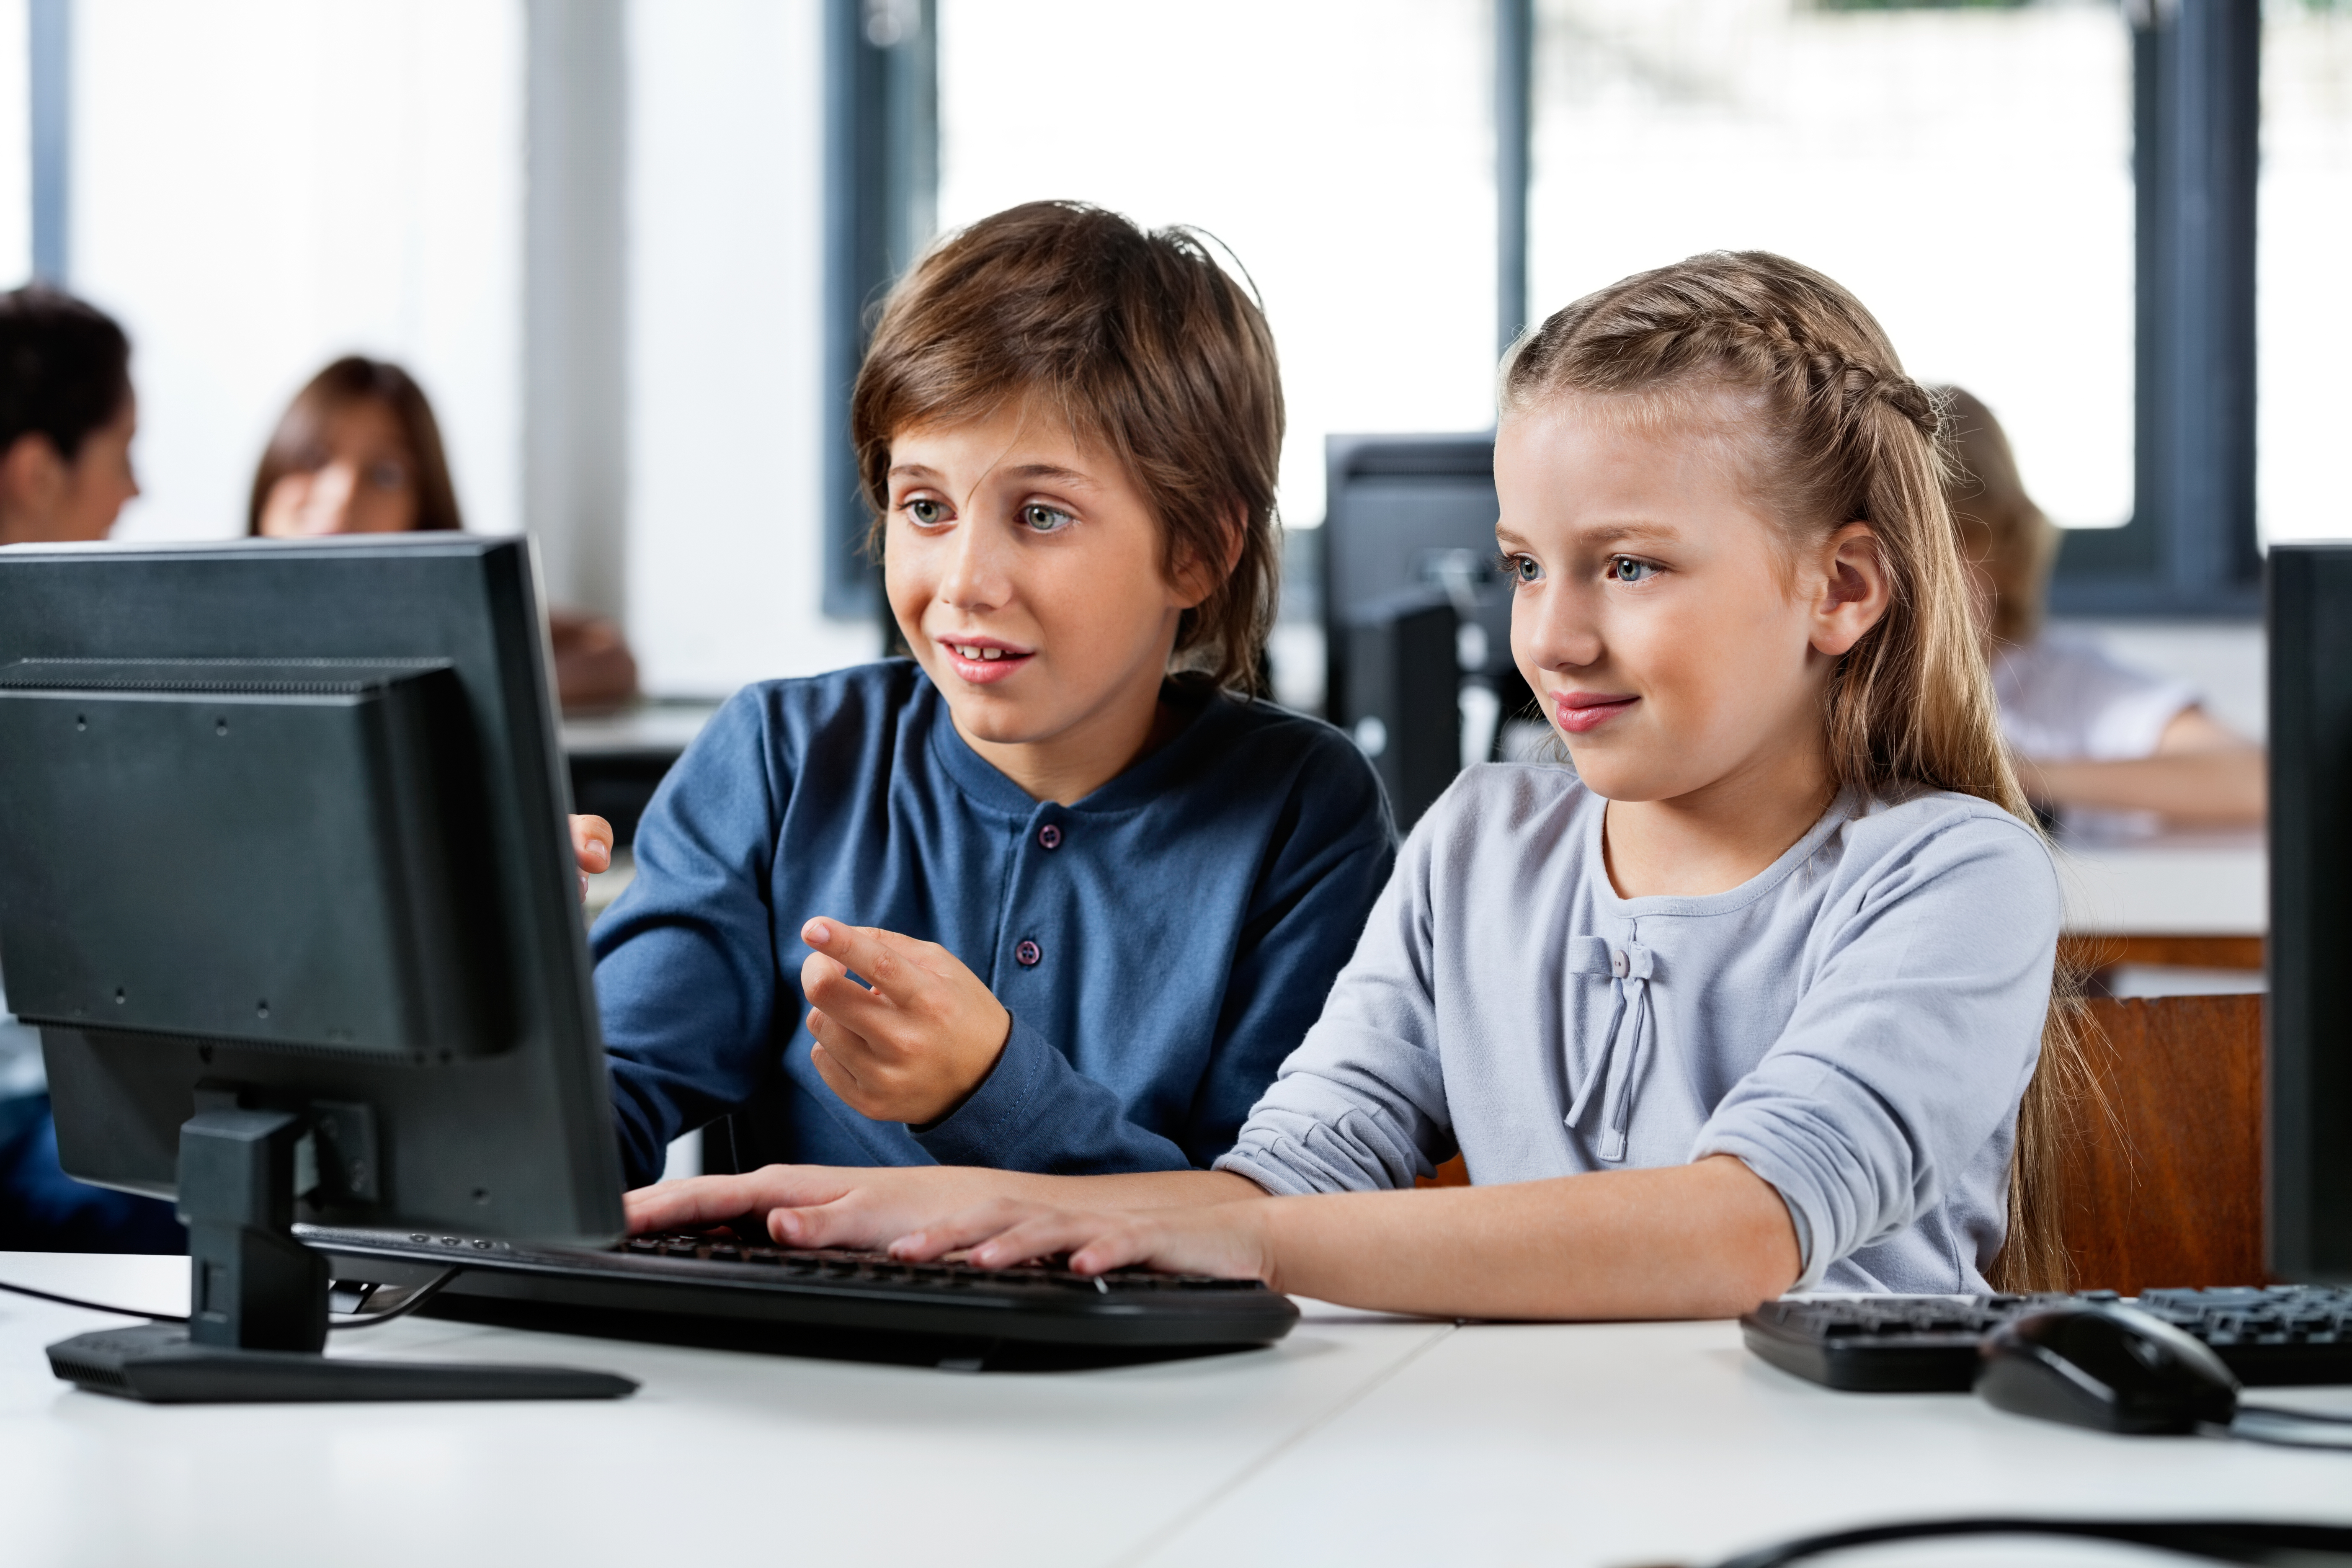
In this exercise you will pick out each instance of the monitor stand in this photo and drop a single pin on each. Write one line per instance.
(257, 1299)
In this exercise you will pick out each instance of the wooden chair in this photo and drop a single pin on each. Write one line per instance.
(2170, 1193)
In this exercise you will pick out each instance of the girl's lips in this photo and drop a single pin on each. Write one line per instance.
(1578, 712)
(996, 660)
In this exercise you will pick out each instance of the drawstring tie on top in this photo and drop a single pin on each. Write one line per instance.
(1630, 966)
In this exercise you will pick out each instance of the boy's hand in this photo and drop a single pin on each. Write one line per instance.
(914, 1041)
(592, 846)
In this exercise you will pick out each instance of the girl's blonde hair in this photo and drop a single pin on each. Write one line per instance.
(1842, 435)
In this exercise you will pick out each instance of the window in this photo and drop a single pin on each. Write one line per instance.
(1966, 171)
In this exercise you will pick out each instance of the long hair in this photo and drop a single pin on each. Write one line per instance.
(294, 447)
(1843, 434)
(1147, 345)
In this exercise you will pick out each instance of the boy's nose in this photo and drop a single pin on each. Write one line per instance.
(973, 575)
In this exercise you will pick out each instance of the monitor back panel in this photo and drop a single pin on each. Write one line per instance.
(2309, 1016)
(493, 1116)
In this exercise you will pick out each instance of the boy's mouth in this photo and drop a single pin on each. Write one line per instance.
(1578, 712)
(982, 661)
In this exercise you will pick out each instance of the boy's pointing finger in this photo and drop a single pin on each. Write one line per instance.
(860, 949)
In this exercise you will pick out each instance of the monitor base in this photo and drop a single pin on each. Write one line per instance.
(157, 1363)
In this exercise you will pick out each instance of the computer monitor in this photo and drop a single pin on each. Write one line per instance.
(286, 885)
(2309, 1014)
(1416, 611)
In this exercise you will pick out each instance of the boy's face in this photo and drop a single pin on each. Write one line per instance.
(1024, 567)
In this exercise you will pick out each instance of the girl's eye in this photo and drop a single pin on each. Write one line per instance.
(387, 476)
(1628, 569)
(1040, 518)
(1520, 568)
(927, 512)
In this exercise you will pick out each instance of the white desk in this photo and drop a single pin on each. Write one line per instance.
(2176, 884)
(1359, 1441)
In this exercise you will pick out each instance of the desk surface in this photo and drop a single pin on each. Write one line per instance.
(1359, 1441)
(2175, 884)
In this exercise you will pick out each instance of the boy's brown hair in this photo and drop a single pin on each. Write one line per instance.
(1146, 346)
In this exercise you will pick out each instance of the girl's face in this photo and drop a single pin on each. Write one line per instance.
(365, 480)
(1024, 567)
(1678, 641)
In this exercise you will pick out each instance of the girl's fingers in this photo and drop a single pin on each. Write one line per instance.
(844, 1224)
(964, 1228)
(1108, 1241)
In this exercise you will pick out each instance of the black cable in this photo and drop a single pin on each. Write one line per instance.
(2289, 1428)
(416, 1297)
(92, 1306)
(2256, 1542)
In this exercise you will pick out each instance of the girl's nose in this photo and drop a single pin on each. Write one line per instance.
(1556, 630)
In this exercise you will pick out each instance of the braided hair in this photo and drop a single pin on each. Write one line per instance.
(1840, 434)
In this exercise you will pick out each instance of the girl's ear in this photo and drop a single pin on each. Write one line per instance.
(1851, 592)
(1197, 578)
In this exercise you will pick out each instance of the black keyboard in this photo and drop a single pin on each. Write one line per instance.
(718, 1278)
(1927, 1344)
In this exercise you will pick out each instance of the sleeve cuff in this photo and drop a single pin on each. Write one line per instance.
(1812, 1264)
(977, 1131)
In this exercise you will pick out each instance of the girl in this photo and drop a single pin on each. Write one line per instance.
(1748, 1001)
(2102, 742)
(1068, 892)
(358, 451)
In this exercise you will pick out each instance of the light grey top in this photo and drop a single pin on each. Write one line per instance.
(1857, 1023)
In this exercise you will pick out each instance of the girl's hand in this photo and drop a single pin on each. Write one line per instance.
(1231, 1241)
(913, 1042)
(814, 1205)
(592, 846)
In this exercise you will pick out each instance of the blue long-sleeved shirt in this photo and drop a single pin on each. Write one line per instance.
(1161, 944)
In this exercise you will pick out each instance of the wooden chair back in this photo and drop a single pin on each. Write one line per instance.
(2170, 1192)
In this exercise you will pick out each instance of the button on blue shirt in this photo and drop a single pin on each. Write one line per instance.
(1161, 944)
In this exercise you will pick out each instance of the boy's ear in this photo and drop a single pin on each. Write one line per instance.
(1852, 590)
(1197, 578)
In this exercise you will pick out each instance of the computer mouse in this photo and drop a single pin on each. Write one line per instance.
(2107, 1366)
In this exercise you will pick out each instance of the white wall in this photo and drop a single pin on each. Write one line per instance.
(15, 147)
(259, 185)
(725, 525)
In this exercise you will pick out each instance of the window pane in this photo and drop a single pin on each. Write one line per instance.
(1966, 171)
(2304, 235)
(1343, 147)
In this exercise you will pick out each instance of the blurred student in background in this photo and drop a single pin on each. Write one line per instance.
(67, 417)
(359, 451)
(2094, 738)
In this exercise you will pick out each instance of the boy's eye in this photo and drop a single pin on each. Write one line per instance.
(1520, 568)
(929, 513)
(1628, 569)
(1043, 519)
